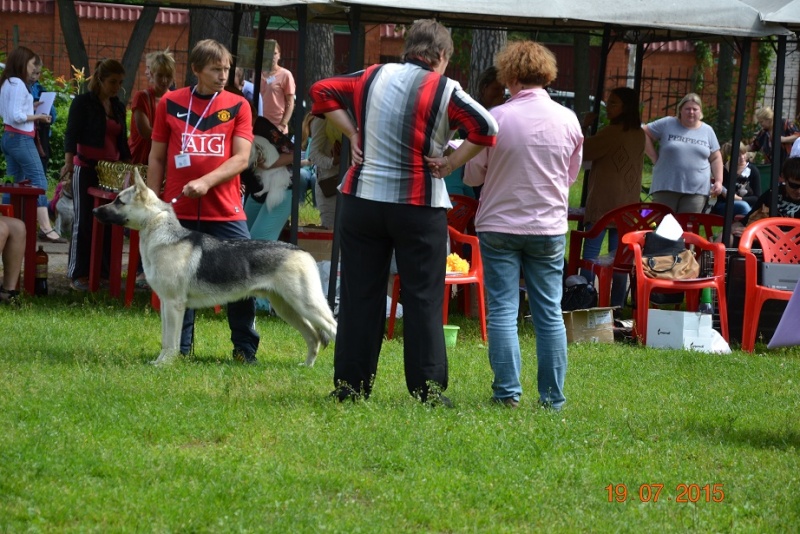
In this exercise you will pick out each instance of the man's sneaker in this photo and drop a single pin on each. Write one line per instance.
(242, 356)
(508, 402)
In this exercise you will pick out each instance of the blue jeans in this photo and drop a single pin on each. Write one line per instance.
(740, 207)
(541, 259)
(309, 180)
(591, 250)
(23, 162)
(267, 225)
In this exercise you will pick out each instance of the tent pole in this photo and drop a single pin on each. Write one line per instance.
(237, 23)
(777, 124)
(297, 120)
(598, 97)
(738, 121)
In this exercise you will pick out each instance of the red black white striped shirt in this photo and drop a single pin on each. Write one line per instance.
(403, 112)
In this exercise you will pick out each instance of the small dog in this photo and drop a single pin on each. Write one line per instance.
(190, 269)
(273, 181)
(65, 211)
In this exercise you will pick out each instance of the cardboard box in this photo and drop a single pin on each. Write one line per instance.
(315, 240)
(679, 330)
(595, 325)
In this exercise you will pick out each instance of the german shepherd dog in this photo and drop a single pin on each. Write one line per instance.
(189, 269)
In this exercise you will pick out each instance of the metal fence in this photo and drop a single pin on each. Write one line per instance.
(660, 94)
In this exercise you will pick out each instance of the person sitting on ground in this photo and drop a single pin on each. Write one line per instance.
(12, 245)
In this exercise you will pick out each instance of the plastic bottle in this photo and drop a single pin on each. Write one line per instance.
(706, 304)
(712, 201)
(40, 282)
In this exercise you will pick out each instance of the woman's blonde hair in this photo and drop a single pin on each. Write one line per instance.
(427, 39)
(765, 113)
(527, 62)
(726, 149)
(691, 97)
(104, 69)
(162, 62)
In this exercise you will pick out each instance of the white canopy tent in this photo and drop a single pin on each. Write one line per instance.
(636, 21)
(664, 19)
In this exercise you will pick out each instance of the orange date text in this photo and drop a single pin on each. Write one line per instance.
(684, 493)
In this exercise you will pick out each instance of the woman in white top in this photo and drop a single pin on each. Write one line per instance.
(19, 147)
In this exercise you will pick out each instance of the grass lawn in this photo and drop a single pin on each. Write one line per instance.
(96, 440)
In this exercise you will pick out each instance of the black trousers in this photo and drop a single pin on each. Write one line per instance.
(80, 246)
(370, 231)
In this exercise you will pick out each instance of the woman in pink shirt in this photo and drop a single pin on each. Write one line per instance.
(522, 220)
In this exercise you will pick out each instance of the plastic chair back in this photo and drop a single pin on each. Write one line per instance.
(462, 215)
(695, 222)
(628, 218)
(779, 240)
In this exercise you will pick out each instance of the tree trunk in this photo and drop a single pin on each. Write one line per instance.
(208, 24)
(133, 53)
(485, 45)
(71, 28)
(319, 53)
(724, 89)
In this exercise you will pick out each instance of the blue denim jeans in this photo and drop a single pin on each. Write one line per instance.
(541, 260)
(267, 225)
(591, 250)
(740, 207)
(23, 162)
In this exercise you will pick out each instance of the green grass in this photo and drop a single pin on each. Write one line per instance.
(96, 440)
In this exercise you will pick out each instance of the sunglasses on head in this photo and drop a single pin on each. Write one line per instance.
(792, 185)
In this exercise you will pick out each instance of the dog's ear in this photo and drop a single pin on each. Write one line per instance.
(137, 180)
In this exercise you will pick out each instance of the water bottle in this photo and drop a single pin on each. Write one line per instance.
(40, 280)
(712, 200)
(706, 305)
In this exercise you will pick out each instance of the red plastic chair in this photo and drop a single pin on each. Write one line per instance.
(629, 218)
(473, 277)
(779, 240)
(7, 210)
(645, 285)
(462, 215)
(695, 222)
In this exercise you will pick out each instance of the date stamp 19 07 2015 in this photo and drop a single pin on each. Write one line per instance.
(684, 493)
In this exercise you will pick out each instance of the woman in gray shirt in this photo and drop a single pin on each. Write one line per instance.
(687, 157)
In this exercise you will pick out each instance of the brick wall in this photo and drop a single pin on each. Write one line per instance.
(39, 29)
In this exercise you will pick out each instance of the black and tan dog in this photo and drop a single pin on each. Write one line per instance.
(189, 269)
